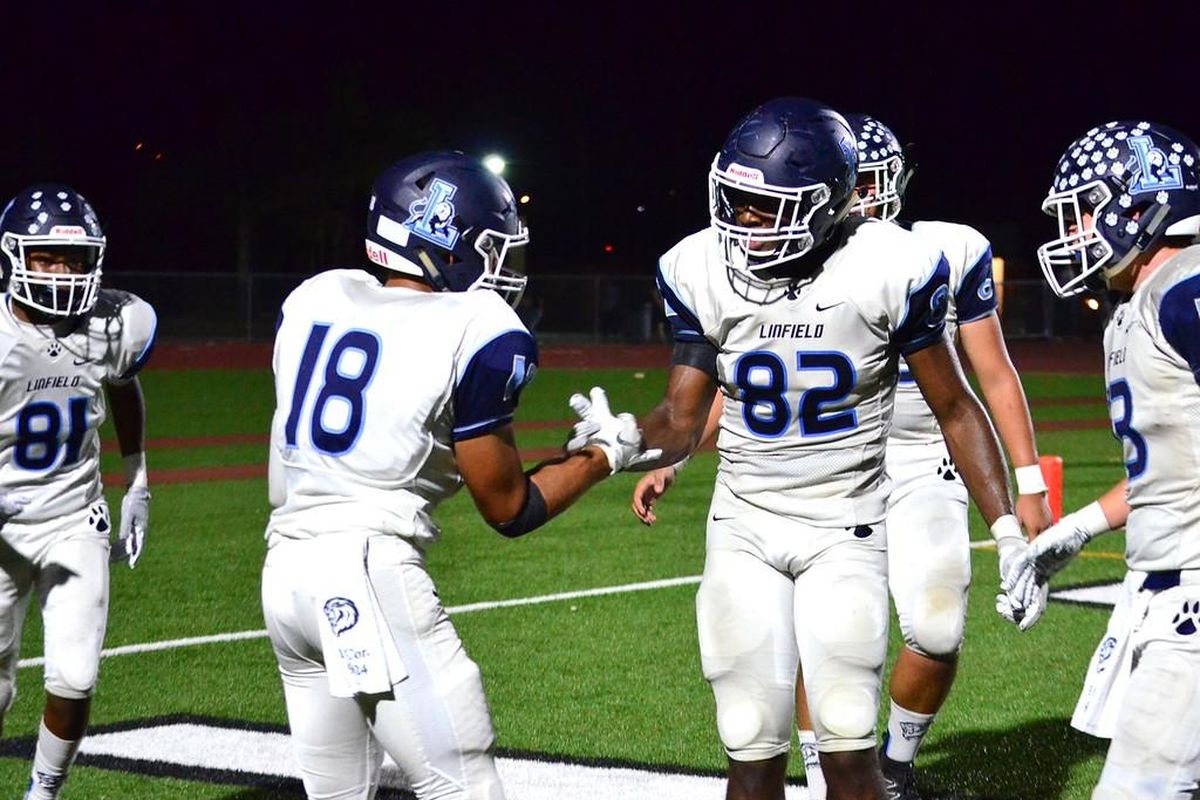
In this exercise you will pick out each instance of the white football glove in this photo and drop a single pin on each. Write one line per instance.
(1022, 602)
(1026, 583)
(11, 505)
(618, 436)
(135, 518)
(1024, 616)
(135, 511)
(1062, 541)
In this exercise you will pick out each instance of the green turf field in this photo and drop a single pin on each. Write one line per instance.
(612, 677)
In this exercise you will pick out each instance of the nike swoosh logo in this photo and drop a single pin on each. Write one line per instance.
(627, 443)
(715, 518)
(831, 305)
(79, 363)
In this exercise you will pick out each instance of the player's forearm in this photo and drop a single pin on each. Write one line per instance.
(976, 452)
(1115, 505)
(564, 480)
(677, 424)
(1006, 401)
(128, 409)
(677, 436)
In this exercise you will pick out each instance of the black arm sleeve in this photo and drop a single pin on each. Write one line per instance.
(531, 516)
(701, 355)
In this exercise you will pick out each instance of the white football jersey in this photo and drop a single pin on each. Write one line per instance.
(972, 296)
(1152, 371)
(808, 382)
(372, 387)
(52, 400)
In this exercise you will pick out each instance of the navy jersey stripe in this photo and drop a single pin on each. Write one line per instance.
(925, 315)
(683, 320)
(488, 391)
(144, 356)
(1179, 315)
(976, 295)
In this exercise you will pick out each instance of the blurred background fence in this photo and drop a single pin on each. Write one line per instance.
(559, 308)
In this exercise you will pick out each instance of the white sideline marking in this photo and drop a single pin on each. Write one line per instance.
(216, 638)
(190, 745)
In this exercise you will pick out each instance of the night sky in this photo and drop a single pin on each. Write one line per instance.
(271, 122)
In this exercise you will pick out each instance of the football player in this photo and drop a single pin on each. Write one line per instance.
(69, 351)
(1127, 199)
(928, 568)
(394, 387)
(929, 571)
(799, 315)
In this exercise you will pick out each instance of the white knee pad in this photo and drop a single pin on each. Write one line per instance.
(739, 724)
(74, 675)
(848, 712)
(933, 626)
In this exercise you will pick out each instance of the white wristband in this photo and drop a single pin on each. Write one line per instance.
(1090, 520)
(1030, 480)
(135, 470)
(1007, 527)
(678, 466)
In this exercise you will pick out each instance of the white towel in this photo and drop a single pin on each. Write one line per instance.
(360, 653)
(1111, 665)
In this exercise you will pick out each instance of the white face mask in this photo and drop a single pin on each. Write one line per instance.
(58, 294)
(748, 252)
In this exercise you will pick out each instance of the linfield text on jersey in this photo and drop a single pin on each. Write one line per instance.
(791, 330)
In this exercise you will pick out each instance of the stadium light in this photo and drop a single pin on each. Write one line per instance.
(494, 163)
(525, 199)
(1092, 303)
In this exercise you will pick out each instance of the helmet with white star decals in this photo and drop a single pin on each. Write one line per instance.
(42, 230)
(1117, 192)
(883, 170)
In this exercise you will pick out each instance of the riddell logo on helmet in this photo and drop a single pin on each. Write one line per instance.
(67, 230)
(748, 173)
(377, 254)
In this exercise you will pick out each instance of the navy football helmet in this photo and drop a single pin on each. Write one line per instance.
(792, 160)
(447, 219)
(883, 172)
(1117, 192)
(52, 218)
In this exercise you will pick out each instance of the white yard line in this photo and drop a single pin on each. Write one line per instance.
(216, 638)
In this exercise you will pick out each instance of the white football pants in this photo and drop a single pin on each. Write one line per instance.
(1155, 750)
(66, 562)
(775, 592)
(436, 724)
(929, 547)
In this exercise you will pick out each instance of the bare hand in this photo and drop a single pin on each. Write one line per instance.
(1034, 513)
(650, 487)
